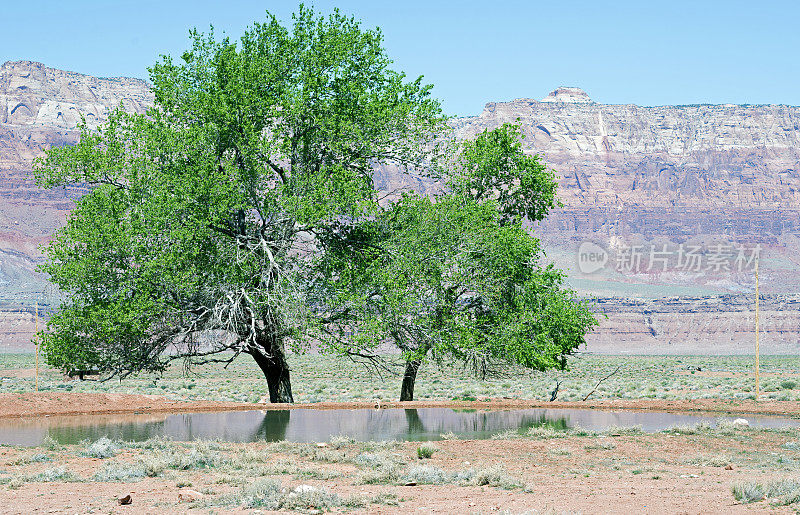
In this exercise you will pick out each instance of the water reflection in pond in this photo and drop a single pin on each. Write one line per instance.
(309, 425)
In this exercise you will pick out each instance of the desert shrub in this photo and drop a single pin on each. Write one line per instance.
(618, 430)
(337, 442)
(788, 385)
(362, 501)
(268, 494)
(378, 477)
(120, 472)
(283, 446)
(383, 468)
(747, 492)
(508, 434)
(784, 491)
(324, 475)
(378, 460)
(60, 474)
(32, 458)
(309, 497)
(710, 461)
(685, 429)
(263, 493)
(102, 448)
(425, 475)
(607, 446)
(50, 444)
(15, 482)
(201, 455)
(497, 477)
(382, 445)
(426, 450)
(247, 457)
(328, 456)
(153, 464)
(545, 433)
(156, 443)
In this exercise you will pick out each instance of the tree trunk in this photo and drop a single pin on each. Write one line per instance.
(276, 370)
(407, 389)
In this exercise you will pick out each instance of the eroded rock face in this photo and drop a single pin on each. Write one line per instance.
(32, 94)
(626, 173)
(40, 107)
(567, 94)
(673, 157)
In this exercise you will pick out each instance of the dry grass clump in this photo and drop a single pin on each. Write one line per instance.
(784, 492)
(719, 460)
(120, 472)
(426, 475)
(102, 448)
(497, 477)
(201, 455)
(50, 475)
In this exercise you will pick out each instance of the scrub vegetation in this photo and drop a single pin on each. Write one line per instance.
(320, 378)
(754, 466)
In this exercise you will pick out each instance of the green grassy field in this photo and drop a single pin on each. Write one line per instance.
(322, 378)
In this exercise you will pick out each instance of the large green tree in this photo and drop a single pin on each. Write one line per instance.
(204, 221)
(457, 277)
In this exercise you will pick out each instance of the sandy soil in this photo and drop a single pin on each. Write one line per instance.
(80, 403)
(628, 474)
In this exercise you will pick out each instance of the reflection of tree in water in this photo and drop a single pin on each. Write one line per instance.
(559, 424)
(273, 426)
(470, 421)
(239, 426)
(370, 424)
(127, 432)
(415, 424)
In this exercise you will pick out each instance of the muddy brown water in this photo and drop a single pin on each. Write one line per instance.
(310, 425)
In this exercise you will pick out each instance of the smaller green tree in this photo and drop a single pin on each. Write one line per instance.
(457, 277)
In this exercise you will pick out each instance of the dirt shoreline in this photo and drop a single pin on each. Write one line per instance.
(42, 404)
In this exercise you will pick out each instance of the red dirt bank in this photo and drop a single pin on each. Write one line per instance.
(32, 404)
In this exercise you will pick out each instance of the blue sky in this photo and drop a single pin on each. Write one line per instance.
(642, 52)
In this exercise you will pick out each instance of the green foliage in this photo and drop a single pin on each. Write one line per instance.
(494, 166)
(239, 215)
(425, 451)
(202, 220)
(456, 276)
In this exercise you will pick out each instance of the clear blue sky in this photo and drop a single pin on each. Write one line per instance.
(645, 52)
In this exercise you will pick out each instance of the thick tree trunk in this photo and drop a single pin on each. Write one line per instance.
(409, 378)
(276, 371)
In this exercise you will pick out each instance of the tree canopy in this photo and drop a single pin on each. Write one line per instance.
(457, 276)
(206, 210)
(239, 215)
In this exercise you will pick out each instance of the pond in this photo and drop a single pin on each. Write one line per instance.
(312, 425)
